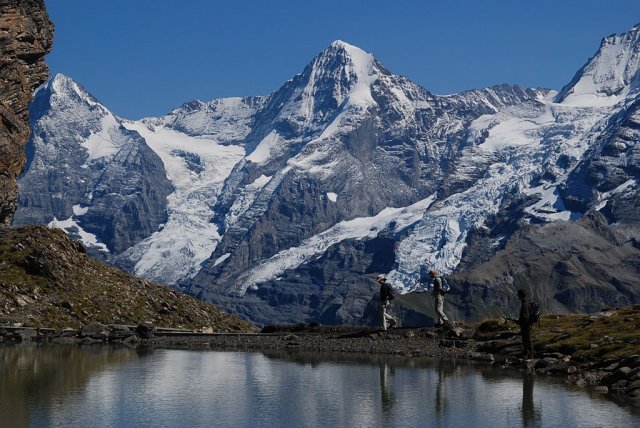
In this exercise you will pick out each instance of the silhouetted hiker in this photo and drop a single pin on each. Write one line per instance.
(387, 396)
(530, 415)
(438, 297)
(525, 322)
(386, 295)
(441, 401)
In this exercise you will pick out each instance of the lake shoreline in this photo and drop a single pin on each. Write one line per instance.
(618, 377)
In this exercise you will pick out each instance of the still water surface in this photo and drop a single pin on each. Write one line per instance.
(104, 386)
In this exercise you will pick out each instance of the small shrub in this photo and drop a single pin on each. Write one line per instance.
(567, 348)
(491, 326)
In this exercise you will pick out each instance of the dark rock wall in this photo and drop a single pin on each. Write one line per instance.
(584, 266)
(612, 161)
(26, 36)
(123, 219)
(336, 288)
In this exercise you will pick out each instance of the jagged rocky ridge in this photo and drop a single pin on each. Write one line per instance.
(284, 207)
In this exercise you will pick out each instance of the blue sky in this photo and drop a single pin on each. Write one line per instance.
(145, 57)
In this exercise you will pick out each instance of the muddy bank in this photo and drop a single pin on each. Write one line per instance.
(416, 342)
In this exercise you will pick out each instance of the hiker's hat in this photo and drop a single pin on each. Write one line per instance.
(381, 277)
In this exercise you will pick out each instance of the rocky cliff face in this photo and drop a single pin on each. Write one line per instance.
(586, 265)
(26, 35)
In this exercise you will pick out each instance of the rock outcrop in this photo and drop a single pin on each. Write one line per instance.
(26, 35)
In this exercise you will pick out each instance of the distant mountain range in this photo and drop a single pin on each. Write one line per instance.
(283, 208)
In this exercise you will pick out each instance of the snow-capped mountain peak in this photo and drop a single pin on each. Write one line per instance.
(92, 154)
(63, 89)
(361, 62)
(81, 111)
(357, 65)
(337, 80)
(609, 75)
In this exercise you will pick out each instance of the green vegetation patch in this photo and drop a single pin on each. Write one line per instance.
(610, 334)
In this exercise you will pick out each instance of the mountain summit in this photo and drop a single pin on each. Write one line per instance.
(338, 78)
(610, 75)
(349, 69)
(87, 173)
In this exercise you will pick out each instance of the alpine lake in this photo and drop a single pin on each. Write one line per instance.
(109, 386)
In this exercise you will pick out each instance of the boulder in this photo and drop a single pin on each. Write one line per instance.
(66, 332)
(95, 331)
(619, 374)
(119, 327)
(145, 330)
(558, 368)
(26, 335)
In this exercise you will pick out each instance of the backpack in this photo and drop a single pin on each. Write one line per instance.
(445, 285)
(534, 312)
(388, 293)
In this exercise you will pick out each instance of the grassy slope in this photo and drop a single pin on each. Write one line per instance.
(606, 335)
(47, 280)
(586, 337)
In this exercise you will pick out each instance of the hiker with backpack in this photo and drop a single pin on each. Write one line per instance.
(529, 315)
(439, 289)
(386, 296)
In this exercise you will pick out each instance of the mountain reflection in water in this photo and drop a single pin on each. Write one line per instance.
(103, 386)
(34, 376)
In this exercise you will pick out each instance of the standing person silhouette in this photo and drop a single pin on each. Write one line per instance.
(438, 298)
(525, 325)
(530, 415)
(386, 296)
